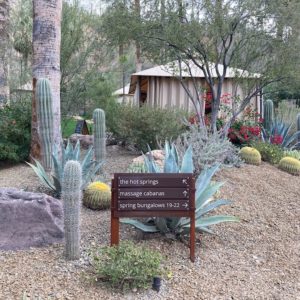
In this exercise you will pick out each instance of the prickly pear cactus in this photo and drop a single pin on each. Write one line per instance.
(290, 165)
(268, 115)
(99, 134)
(250, 156)
(97, 196)
(71, 197)
(45, 120)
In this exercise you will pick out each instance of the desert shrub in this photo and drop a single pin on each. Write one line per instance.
(15, 126)
(142, 126)
(126, 265)
(271, 153)
(208, 148)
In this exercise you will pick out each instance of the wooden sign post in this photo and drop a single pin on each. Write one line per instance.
(153, 194)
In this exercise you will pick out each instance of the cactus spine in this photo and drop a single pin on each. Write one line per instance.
(268, 114)
(71, 196)
(45, 120)
(99, 134)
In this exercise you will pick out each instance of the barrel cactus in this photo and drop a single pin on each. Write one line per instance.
(71, 196)
(268, 115)
(290, 165)
(292, 153)
(45, 120)
(97, 196)
(99, 134)
(250, 156)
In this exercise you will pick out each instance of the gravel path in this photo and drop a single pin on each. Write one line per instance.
(258, 258)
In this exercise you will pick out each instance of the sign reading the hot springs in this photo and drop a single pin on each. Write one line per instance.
(153, 192)
(153, 195)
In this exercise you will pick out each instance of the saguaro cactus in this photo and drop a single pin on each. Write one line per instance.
(71, 197)
(268, 114)
(45, 120)
(298, 126)
(99, 134)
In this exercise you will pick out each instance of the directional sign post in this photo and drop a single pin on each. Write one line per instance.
(152, 194)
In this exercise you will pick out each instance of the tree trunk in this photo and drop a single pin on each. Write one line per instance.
(4, 46)
(138, 60)
(46, 64)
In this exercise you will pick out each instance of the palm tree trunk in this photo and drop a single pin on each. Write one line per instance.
(46, 63)
(4, 42)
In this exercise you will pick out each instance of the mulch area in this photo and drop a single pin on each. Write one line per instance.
(258, 258)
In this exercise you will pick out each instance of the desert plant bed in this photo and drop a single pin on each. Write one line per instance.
(257, 258)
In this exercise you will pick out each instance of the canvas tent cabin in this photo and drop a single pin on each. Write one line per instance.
(159, 86)
(123, 95)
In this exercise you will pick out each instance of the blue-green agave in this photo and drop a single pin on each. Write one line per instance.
(54, 181)
(279, 127)
(205, 189)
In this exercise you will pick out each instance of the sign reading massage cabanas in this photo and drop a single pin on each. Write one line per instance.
(153, 194)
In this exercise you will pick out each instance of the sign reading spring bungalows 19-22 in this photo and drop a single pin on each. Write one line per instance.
(152, 194)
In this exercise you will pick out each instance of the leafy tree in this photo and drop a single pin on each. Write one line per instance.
(212, 36)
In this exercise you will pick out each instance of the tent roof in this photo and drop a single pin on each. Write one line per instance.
(120, 91)
(172, 70)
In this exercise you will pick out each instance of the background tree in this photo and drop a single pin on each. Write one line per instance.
(4, 48)
(46, 62)
(224, 34)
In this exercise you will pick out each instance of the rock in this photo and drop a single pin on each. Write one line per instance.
(158, 155)
(29, 219)
(85, 140)
(88, 140)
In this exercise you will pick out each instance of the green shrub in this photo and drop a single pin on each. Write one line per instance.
(271, 153)
(15, 127)
(144, 125)
(127, 265)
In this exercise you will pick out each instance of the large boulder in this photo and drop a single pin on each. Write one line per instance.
(29, 219)
(158, 156)
(88, 140)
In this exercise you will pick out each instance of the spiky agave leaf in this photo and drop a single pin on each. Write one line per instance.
(187, 165)
(139, 225)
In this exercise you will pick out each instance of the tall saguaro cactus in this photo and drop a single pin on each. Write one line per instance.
(268, 114)
(99, 134)
(45, 120)
(71, 197)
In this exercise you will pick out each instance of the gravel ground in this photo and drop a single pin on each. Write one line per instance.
(258, 258)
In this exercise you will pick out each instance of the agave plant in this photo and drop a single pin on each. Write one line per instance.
(205, 203)
(281, 129)
(54, 181)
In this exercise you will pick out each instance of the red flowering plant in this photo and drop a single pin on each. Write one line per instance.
(246, 129)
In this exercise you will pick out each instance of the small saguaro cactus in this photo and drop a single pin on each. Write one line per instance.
(298, 125)
(71, 197)
(45, 120)
(268, 115)
(99, 134)
(250, 156)
(290, 165)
